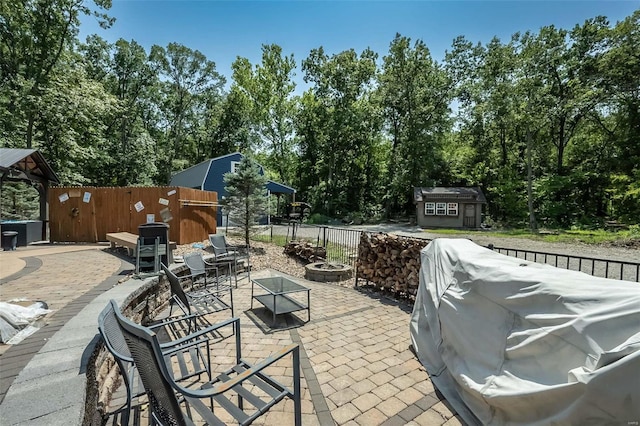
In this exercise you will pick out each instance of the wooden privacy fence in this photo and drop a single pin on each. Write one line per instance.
(87, 214)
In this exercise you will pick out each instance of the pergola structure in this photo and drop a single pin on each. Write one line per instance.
(30, 166)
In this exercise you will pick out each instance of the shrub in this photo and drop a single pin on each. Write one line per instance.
(318, 219)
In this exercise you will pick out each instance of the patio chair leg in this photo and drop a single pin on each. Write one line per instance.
(297, 399)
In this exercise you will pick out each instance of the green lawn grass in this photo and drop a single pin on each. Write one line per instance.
(597, 236)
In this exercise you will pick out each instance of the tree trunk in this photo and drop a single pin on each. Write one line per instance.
(533, 226)
(29, 136)
(561, 145)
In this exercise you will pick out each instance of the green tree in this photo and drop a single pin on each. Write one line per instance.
(619, 117)
(348, 133)
(246, 197)
(269, 89)
(34, 37)
(73, 115)
(125, 71)
(189, 81)
(415, 95)
(19, 201)
(232, 129)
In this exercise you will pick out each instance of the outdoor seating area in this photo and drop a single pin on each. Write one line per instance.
(239, 394)
(358, 361)
(356, 365)
(354, 361)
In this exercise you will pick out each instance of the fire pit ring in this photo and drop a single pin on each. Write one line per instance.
(327, 271)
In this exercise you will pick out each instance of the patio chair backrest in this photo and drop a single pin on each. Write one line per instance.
(195, 262)
(113, 338)
(147, 355)
(218, 244)
(176, 287)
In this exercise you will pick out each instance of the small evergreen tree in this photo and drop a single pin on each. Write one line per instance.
(246, 198)
(19, 201)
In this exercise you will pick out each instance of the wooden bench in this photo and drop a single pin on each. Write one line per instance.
(123, 239)
(129, 241)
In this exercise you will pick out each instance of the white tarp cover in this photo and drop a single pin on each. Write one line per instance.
(509, 341)
(18, 322)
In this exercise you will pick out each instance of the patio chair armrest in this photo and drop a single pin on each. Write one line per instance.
(225, 386)
(215, 264)
(199, 333)
(186, 276)
(176, 346)
(171, 320)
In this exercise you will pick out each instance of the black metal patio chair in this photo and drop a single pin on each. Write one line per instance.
(200, 301)
(199, 267)
(244, 391)
(238, 255)
(190, 351)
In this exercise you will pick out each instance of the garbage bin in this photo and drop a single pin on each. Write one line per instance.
(9, 240)
(154, 230)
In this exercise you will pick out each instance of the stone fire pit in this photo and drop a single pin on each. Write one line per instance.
(327, 271)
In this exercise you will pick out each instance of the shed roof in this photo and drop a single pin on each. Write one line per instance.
(25, 164)
(471, 194)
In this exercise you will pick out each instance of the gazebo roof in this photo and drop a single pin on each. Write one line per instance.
(25, 165)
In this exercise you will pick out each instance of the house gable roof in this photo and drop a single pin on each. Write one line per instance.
(279, 188)
(193, 177)
(196, 176)
(470, 194)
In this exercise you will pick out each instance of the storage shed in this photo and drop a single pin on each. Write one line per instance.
(209, 176)
(449, 207)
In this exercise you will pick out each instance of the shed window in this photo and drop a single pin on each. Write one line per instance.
(441, 209)
(234, 164)
(429, 209)
(452, 209)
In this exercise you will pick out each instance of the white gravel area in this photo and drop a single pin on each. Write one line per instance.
(263, 256)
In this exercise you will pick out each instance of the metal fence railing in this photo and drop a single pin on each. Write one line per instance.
(342, 246)
(605, 268)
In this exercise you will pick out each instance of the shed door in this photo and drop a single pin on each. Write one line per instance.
(469, 216)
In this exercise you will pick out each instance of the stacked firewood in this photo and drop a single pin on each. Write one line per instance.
(390, 261)
(305, 251)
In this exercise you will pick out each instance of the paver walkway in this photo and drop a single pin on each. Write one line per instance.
(60, 276)
(356, 363)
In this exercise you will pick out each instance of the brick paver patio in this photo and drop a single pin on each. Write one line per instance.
(357, 367)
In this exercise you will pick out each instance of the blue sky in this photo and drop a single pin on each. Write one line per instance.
(223, 30)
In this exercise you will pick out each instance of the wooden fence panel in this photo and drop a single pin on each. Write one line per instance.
(76, 217)
(197, 219)
(71, 215)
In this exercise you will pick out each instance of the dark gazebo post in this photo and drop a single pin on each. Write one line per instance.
(43, 191)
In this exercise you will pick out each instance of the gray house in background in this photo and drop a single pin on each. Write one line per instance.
(449, 207)
(209, 176)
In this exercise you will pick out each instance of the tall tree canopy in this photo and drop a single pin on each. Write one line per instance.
(269, 89)
(546, 122)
